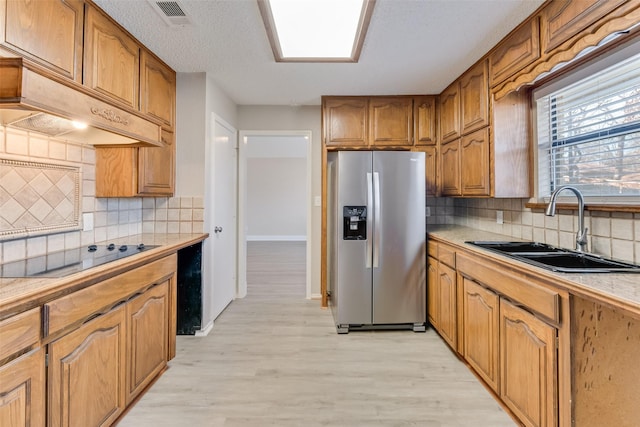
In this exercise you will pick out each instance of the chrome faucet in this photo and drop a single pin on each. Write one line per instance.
(581, 236)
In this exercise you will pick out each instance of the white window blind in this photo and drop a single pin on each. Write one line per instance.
(589, 133)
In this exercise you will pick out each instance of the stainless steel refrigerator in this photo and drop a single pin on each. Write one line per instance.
(376, 239)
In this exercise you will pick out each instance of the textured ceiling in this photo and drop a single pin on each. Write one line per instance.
(412, 47)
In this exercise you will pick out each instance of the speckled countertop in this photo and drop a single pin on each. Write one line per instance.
(621, 290)
(20, 294)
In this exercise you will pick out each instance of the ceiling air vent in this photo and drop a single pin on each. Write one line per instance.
(171, 12)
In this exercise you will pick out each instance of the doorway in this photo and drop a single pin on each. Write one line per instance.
(274, 193)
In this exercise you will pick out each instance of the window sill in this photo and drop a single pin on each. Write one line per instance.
(588, 207)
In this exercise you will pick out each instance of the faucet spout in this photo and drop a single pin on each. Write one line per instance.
(581, 235)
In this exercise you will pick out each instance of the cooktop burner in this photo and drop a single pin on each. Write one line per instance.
(63, 263)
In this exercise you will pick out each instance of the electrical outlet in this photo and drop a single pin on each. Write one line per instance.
(427, 211)
(317, 201)
(500, 217)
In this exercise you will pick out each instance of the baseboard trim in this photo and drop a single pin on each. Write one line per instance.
(277, 238)
(205, 331)
(316, 296)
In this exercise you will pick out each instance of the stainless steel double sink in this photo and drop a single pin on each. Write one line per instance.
(557, 259)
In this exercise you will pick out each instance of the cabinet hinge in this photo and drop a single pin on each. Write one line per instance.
(557, 342)
(46, 360)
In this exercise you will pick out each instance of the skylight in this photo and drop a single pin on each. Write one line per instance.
(316, 30)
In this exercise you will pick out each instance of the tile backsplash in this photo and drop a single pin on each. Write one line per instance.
(611, 234)
(112, 217)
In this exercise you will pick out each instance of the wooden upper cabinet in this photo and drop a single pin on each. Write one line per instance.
(519, 49)
(48, 32)
(425, 131)
(111, 59)
(345, 121)
(450, 113)
(474, 164)
(474, 98)
(157, 90)
(430, 168)
(391, 121)
(528, 366)
(156, 166)
(564, 19)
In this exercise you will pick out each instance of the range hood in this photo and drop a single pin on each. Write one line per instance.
(35, 100)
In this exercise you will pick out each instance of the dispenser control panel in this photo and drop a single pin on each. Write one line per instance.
(355, 223)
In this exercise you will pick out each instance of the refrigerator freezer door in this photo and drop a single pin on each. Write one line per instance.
(353, 284)
(399, 281)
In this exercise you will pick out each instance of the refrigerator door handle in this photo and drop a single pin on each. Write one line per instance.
(376, 217)
(369, 218)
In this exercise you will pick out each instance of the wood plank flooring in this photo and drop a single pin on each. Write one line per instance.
(275, 359)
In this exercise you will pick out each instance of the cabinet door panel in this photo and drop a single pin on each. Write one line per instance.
(430, 169)
(111, 59)
(87, 373)
(424, 120)
(450, 168)
(432, 291)
(481, 321)
(345, 121)
(528, 366)
(474, 162)
(49, 32)
(474, 98)
(157, 90)
(450, 113)
(447, 306)
(148, 337)
(157, 168)
(515, 52)
(390, 121)
(22, 391)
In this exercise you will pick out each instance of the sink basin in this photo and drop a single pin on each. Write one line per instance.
(557, 259)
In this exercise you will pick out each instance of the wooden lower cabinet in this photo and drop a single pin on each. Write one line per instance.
(147, 338)
(447, 310)
(528, 366)
(481, 322)
(87, 373)
(22, 391)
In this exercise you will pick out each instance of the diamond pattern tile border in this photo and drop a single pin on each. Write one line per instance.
(38, 198)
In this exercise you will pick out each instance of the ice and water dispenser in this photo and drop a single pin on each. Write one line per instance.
(355, 223)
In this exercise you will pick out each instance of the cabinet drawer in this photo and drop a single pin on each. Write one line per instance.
(19, 332)
(81, 305)
(447, 255)
(432, 248)
(516, 287)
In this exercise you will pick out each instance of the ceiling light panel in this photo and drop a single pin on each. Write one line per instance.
(316, 30)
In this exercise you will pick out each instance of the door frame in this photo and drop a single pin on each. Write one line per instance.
(242, 203)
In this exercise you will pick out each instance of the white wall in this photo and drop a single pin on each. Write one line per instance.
(282, 118)
(276, 199)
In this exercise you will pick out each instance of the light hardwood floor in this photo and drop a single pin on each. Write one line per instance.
(275, 359)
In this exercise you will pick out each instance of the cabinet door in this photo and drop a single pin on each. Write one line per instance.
(117, 171)
(474, 164)
(424, 120)
(481, 320)
(563, 19)
(450, 168)
(22, 391)
(450, 113)
(156, 169)
(447, 311)
(111, 59)
(391, 121)
(430, 169)
(528, 366)
(147, 317)
(515, 52)
(474, 98)
(87, 373)
(432, 291)
(49, 32)
(345, 121)
(157, 90)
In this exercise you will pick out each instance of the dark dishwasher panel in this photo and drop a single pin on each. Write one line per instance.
(189, 299)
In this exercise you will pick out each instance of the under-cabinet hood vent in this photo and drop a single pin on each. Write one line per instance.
(171, 12)
(32, 99)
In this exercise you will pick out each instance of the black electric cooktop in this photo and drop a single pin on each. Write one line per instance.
(64, 263)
